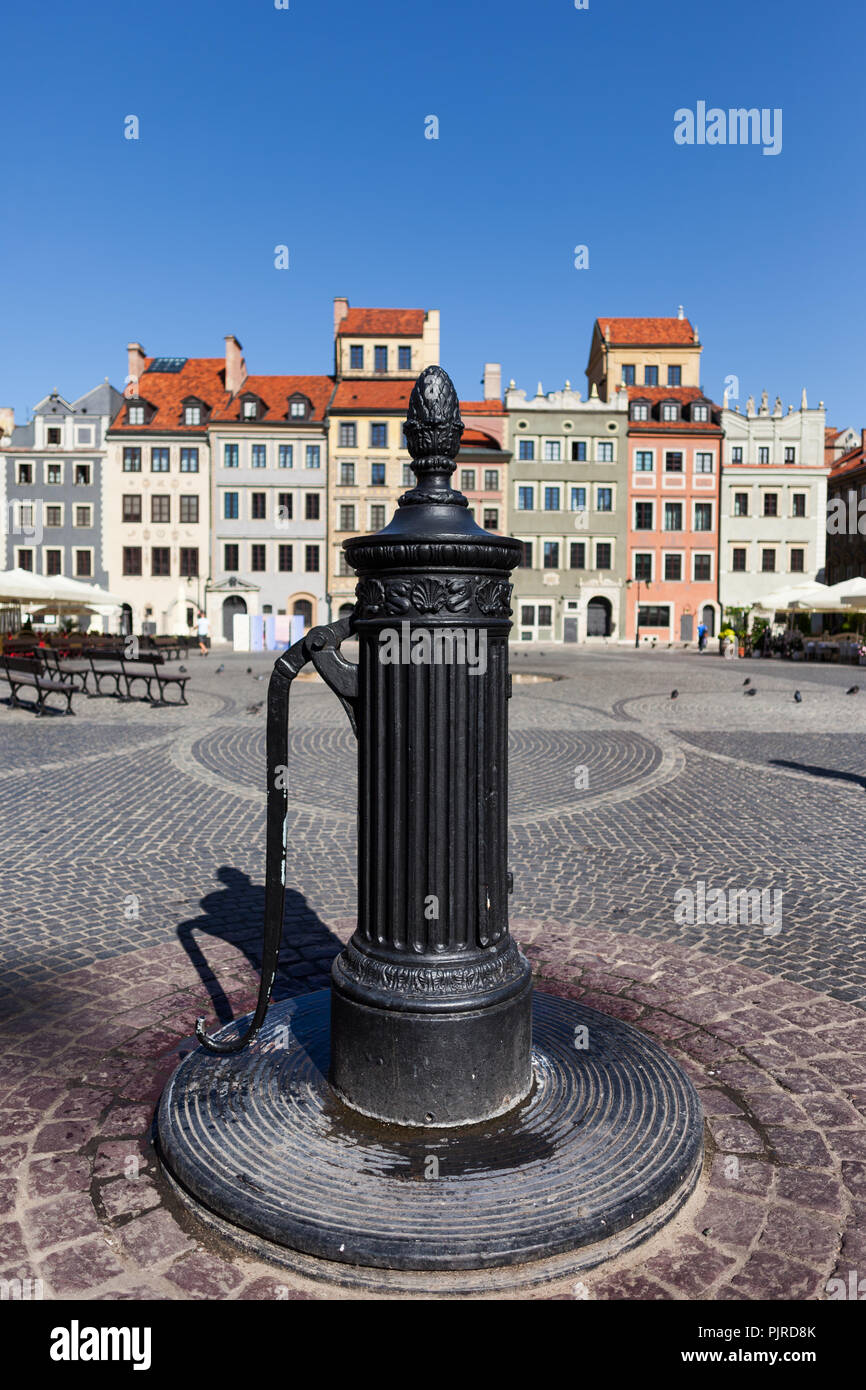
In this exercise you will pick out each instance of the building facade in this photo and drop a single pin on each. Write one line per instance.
(53, 487)
(846, 515)
(643, 352)
(773, 529)
(567, 505)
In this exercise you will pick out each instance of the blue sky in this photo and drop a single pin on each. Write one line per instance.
(305, 127)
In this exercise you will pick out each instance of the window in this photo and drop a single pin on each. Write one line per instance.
(189, 510)
(640, 411)
(551, 499)
(26, 515)
(703, 463)
(131, 507)
(577, 499)
(700, 413)
(737, 453)
(25, 474)
(356, 357)
(132, 559)
(603, 551)
(189, 460)
(25, 560)
(379, 436)
(763, 454)
(491, 518)
(526, 498)
(703, 565)
(604, 450)
(377, 475)
(526, 559)
(82, 516)
(284, 558)
(799, 504)
(312, 503)
(54, 473)
(526, 449)
(160, 561)
(643, 516)
(741, 504)
(258, 506)
(160, 509)
(346, 518)
(703, 516)
(643, 461)
(768, 561)
(159, 461)
(738, 564)
(675, 376)
(467, 479)
(258, 558)
(408, 475)
(189, 562)
(650, 376)
(348, 434)
(670, 411)
(491, 480)
(628, 374)
(377, 517)
(380, 359)
(311, 559)
(231, 509)
(654, 615)
(192, 415)
(285, 456)
(551, 555)
(673, 567)
(771, 504)
(231, 558)
(230, 455)
(250, 410)
(604, 499)
(673, 462)
(798, 561)
(53, 516)
(552, 450)
(314, 456)
(54, 562)
(578, 451)
(135, 415)
(284, 506)
(643, 567)
(260, 456)
(673, 516)
(82, 475)
(404, 359)
(577, 555)
(342, 563)
(790, 454)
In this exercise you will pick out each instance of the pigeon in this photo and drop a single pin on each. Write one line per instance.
(748, 680)
(798, 697)
(219, 670)
(674, 694)
(254, 709)
(249, 670)
(258, 678)
(853, 691)
(753, 691)
(182, 669)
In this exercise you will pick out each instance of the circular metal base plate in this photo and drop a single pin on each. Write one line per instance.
(603, 1151)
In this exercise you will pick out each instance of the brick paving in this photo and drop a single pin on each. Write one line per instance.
(133, 871)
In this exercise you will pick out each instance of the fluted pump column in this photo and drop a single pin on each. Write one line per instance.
(431, 1001)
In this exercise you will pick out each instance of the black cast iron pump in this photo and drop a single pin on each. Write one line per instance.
(431, 999)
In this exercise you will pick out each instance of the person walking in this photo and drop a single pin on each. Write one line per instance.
(702, 636)
(203, 628)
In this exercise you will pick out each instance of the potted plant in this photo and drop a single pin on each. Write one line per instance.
(727, 638)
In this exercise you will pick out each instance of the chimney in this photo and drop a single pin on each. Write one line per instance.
(492, 381)
(236, 367)
(135, 358)
(341, 309)
(681, 313)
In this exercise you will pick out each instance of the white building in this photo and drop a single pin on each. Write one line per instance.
(773, 500)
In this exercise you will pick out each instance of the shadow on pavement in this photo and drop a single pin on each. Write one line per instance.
(834, 773)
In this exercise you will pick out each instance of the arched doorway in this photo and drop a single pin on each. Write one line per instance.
(232, 605)
(302, 608)
(708, 617)
(598, 617)
(345, 609)
(126, 619)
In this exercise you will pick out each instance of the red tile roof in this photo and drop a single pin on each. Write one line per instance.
(201, 377)
(372, 395)
(383, 323)
(479, 439)
(683, 394)
(275, 392)
(648, 332)
(848, 463)
(482, 408)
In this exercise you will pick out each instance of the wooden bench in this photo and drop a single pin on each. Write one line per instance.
(61, 668)
(21, 672)
(147, 669)
(109, 667)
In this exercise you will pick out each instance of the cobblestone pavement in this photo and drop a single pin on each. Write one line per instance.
(133, 869)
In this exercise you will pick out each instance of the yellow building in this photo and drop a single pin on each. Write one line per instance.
(643, 352)
(378, 353)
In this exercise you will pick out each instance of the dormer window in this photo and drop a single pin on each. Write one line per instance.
(135, 415)
(52, 435)
(192, 415)
(700, 412)
(298, 408)
(640, 410)
(249, 409)
(670, 410)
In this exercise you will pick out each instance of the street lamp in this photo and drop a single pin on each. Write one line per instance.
(628, 584)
